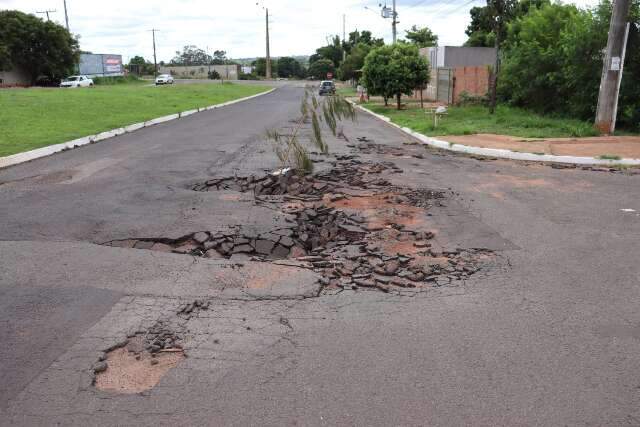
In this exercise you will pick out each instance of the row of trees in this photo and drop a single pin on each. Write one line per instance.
(346, 59)
(552, 56)
(41, 49)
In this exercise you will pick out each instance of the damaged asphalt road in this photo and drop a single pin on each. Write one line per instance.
(164, 277)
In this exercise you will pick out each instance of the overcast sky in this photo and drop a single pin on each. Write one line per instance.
(298, 27)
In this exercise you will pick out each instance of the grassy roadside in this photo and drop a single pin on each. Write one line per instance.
(37, 117)
(475, 119)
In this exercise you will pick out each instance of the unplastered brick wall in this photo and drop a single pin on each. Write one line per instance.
(473, 80)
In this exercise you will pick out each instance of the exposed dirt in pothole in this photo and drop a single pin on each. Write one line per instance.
(138, 362)
(131, 373)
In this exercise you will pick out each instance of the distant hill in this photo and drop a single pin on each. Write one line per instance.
(303, 59)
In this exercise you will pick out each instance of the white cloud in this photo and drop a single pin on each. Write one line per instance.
(237, 26)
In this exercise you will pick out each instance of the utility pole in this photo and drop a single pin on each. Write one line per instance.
(155, 62)
(344, 36)
(47, 12)
(394, 22)
(66, 16)
(268, 59)
(612, 68)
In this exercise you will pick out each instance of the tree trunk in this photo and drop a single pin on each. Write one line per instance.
(386, 101)
(398, 96)
(421, 100)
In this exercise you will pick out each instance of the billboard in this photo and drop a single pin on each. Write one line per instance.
(101, 65)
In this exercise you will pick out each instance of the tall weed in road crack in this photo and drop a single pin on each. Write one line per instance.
(287, 146)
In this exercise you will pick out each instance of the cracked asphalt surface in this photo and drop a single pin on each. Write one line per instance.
(550, 336)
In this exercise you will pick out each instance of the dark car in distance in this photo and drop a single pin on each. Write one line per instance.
(327, 87)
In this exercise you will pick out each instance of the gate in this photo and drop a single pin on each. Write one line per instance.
(444, 87)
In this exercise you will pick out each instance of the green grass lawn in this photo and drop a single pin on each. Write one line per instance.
(37, 117)
(475, 119)
(347, 91)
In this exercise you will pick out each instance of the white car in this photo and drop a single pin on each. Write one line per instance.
(77, 81)
(164, 79)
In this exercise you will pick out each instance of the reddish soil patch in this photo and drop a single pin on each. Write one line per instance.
(383, 210)
(127, 374)
(622, 146)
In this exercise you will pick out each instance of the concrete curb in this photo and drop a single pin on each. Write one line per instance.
(497, 152)
(27, 156)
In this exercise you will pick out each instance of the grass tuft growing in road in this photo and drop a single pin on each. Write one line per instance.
(37, 117)
(475, 119)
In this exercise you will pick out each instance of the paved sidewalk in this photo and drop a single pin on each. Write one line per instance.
(610, 147)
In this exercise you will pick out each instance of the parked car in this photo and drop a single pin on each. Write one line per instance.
(327, 87)
(164, 79)
(77, 81)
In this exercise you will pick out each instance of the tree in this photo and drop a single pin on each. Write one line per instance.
(36, 47)
(289, 67)
(361, 38)
(191, 55)
(481, 29)
(553, 62)
(260, 65)
(395, 70)
(422, 37)
(332, 51)
(353, 62)
(219, 57)
(143, 66)
(320, 68)
(501, 12)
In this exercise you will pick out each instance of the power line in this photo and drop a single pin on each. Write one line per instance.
(47, 12)
(442, 15)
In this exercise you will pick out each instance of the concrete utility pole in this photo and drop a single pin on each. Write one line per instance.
(47, 12)
(612, 68)
(66, 16)
(268, 59)
(155, 62)
(344, 35)
(394, 22)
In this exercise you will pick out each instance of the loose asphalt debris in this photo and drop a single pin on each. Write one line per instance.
(348, 223)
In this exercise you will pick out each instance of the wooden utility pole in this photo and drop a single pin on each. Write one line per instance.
(612, 68)
(344, 36)
(268, 59)
(155, 61)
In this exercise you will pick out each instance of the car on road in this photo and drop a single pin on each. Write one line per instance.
(77, 81)
(164, 79)
(327, 87)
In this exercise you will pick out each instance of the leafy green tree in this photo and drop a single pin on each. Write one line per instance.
(553, 62)
(354, 62)
(219, 57)
(144, 66)
(5, 58)
(422, 37)
(395, 70)
(332, 51)
(481, 29)
(361, 38)
(320, 68)
(36, 47)
(260, 65)
(191, 55)
(289, 67)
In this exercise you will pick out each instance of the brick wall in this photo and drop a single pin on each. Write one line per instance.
(473, 80)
